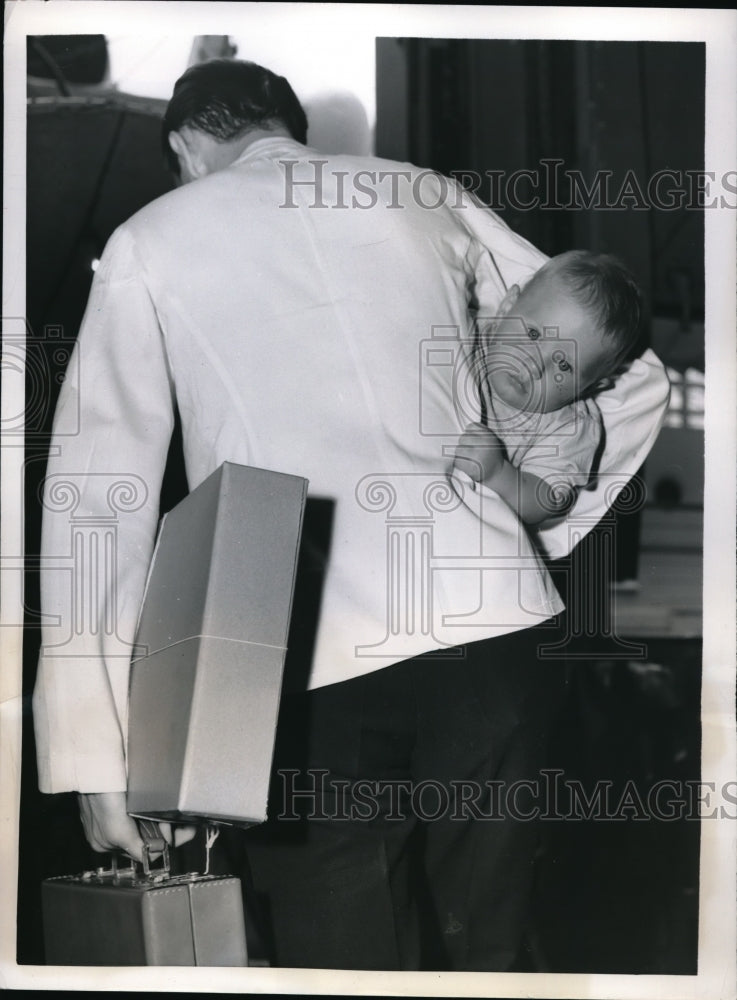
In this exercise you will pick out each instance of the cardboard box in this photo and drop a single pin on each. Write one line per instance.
(215, 618)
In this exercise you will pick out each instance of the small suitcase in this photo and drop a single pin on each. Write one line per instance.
(114, 916)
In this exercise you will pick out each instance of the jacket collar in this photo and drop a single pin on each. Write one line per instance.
(270, 148)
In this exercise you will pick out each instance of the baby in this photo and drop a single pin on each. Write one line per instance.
(549, 350)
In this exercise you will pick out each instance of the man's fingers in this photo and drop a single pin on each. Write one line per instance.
(176, 835)
(183, 834)
(107, 825)
(165, 830)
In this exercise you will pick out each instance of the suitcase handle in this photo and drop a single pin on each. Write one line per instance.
(153, 843)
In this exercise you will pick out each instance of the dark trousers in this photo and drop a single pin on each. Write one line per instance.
(428, 861)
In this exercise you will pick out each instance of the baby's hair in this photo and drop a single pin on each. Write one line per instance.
(601, 283)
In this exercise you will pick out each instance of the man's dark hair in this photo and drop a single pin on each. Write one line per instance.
(227, 97)
(600, 282)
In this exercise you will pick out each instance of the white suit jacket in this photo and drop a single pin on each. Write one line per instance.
(309, 314)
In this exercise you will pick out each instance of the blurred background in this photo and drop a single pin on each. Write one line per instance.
(612, 897)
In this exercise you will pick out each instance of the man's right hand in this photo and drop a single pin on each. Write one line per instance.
(108, 827)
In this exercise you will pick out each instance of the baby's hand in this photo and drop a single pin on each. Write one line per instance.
(480, 453)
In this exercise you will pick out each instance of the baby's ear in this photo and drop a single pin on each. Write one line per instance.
(601, 385)
(608, 381)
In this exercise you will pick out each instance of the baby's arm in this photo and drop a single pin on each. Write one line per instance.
(482, 456)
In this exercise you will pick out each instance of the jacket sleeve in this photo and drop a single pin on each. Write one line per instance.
(633, 411)
(505, 258)
(111, 434)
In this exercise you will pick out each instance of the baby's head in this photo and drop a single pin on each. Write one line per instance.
(566, 334)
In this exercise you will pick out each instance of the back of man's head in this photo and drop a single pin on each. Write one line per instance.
(226, 98)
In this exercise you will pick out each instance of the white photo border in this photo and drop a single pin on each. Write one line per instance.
(717, 913)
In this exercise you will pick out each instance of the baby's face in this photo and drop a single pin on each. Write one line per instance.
(546, 351)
